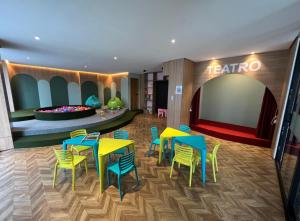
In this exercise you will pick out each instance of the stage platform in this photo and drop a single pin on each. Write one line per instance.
(22, 141)
(38, 127)
(230, 132)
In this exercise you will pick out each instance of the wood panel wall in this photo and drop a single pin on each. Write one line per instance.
(180, 72)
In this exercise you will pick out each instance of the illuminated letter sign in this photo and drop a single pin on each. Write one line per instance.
(234, 68)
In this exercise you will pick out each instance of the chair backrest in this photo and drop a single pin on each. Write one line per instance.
(121, 134)
(76, 133)
(215, 150)
(184, 128)
(154, 133)
(64, 157)
(126, 161)
(183, 152)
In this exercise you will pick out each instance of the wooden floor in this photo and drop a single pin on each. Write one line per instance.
(246, 188)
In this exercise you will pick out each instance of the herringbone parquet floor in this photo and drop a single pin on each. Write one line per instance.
(246, 188)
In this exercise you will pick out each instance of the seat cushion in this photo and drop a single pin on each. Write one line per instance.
(115, 168)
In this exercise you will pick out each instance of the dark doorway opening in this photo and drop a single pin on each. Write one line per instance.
(161, 94)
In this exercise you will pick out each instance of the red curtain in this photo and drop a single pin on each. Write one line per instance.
(194, 114)
(265, 127)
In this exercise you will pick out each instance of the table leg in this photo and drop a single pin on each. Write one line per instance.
(95, 149)
(203, 162)
(101, 175)
(161, 146)
(64, 146)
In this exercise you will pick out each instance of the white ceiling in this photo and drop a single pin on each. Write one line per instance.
(75, 33)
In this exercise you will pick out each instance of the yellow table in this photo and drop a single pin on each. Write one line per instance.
(107, 146)
(166, 134)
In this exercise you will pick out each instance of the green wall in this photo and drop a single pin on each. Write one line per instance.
(25, 92)
(88, 88)
(107, 95)
(59, 91)
(232, 98)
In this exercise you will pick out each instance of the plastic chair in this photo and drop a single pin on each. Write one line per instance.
(210, 158)
(124, 166)
(78, 148)
(66, 160)
(184, 155)
(185, 128)
(155, 140)
(121, 134)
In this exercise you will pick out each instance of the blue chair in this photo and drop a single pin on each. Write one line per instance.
(156, 141)
(123, 166)
(121, 134)
(185, 128)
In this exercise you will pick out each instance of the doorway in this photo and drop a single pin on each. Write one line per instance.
(134, 93)
(161, 95)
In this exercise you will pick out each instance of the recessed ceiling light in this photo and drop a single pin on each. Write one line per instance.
(115, 58)
(213, 58)
(173, 41)
(252, 52)
(37, 38)
(85, 66)
(28, 58)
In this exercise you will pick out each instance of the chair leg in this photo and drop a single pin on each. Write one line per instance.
(119, 186)
(108, 177)
(213, 170)
(172, 168)
(73, 179)
(216, 163)
(191, 175)
(86, 167)
(136, 176)
(54, 175)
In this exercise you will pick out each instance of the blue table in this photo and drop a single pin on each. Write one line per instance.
(90, 143)
(196, 142)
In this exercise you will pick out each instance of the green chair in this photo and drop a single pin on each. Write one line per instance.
(155, 141)
(185, 128)
(184, 155)
(78, 148)
(123, 166)
(210, 158)
(66, 160)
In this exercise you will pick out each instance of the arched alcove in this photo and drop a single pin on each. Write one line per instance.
(44, 93)
(59, 91)
(74, 93)
(25, 92)
(107, 94)
(88, 88)
(234, 102)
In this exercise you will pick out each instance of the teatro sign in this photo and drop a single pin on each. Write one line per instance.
(235, 67)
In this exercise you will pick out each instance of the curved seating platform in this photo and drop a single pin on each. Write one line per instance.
(22, 141)
(20, 115)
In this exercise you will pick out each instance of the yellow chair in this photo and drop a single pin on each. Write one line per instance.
(66, 160)
(184, 155)
(78, 148)
(210, 158)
